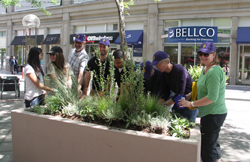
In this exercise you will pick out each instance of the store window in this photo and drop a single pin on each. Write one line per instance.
(23, 5)
(188, 54)
(172, 51)
(2, 34)
(82, 1)
(244, 64)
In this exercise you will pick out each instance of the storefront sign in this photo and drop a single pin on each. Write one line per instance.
(95, 37)
(192, 34)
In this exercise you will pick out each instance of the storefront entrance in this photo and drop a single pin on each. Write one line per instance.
(244, 64)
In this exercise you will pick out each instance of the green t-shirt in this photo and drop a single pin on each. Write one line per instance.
(212, 86)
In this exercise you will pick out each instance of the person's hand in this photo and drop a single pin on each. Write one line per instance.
(184, 103)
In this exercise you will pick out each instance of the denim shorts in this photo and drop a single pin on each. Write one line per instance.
(39, 100)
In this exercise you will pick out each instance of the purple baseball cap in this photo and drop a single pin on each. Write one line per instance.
(207, 47)
(147, 68)
(104, 41)
(158, 56)
(80, 38)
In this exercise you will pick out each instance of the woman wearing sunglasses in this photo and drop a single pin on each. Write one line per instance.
(34, 83)
(211, 102)
(58, 69)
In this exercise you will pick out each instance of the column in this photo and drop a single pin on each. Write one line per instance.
(160, 41)
(9, 38)
(45, 50)
(233, 52)
(65, 35)
(152, 32)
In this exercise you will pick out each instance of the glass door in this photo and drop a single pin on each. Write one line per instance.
(244, 64)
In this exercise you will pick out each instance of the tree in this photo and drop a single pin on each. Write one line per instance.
(121, 5)
(34, 3)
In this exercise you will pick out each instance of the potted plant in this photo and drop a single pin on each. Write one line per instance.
(56, 138)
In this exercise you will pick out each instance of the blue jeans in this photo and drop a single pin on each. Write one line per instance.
(35, 101)
(210, 129)
(186, 112)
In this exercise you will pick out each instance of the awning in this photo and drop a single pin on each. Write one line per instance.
(132, 37)
(243, 35)
(52, 39)
(20, 40)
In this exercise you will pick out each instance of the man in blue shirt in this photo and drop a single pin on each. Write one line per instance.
(177, 79)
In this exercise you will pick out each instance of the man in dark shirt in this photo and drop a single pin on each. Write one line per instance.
(177, 79)
(119, 58)
(100, 73)
(152, 79)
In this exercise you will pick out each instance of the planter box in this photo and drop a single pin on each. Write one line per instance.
(43, 138)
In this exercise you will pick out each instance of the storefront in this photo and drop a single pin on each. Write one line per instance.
(92, 41)
(182, 42)
(135, 43)
(243, 41)
(21, 47)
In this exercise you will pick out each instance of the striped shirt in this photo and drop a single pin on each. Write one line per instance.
(78, 61)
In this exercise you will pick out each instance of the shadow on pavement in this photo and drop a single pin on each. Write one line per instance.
(235, 144)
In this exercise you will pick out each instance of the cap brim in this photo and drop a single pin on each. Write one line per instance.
(78, 40)
(155, 62)
(51, 52)
(204, 50)
(103, 43)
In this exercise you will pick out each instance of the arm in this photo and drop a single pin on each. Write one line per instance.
(86, 82)
(201, 102)
(82, 72)
(180, 85)
(34, 79)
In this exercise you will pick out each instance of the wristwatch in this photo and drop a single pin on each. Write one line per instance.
(192, 104)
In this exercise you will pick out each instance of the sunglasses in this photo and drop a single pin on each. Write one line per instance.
(204, 54)
(52, 54)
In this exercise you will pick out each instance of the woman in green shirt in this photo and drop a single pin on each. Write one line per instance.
(211, 102)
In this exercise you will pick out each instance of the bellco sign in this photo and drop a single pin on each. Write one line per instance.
(192, 34)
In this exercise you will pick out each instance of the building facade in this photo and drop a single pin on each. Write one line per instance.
(146, 30)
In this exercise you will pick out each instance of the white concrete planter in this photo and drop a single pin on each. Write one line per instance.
(42, 138)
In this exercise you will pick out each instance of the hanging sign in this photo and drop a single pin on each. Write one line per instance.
(192, 34)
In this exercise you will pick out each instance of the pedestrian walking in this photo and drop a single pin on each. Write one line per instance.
(11, 64)
(34, 82)
(15, 64)
(211, 102)
(177, 79)
(78, 59)
(94, 65)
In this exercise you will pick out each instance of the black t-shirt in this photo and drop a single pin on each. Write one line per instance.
(119, 75)
(178, 80)
(93, 65)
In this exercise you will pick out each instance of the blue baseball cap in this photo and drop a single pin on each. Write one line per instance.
(104, 41)
(207, 47)
(158, 56)
(80, 38)
(147, 68)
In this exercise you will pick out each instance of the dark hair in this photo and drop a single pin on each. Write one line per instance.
(60, 62)
(118, 54)
(33, 59)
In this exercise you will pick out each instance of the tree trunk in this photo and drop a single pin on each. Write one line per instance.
(120, 7)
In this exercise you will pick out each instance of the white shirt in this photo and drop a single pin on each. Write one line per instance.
(31, 89)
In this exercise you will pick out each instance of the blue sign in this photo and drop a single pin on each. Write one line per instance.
(192, 34)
